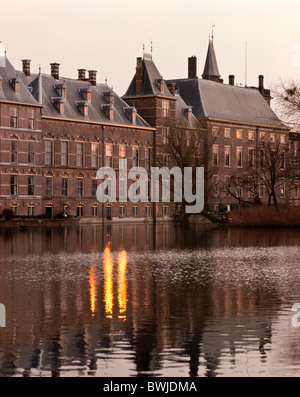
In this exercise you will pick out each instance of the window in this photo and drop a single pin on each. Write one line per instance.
(31, 151)
(165, 210)
(148, 210)
(282, 160)
(215, 154)
(48, 152)
(135, 156)
(122, 156)
(14, 185)
(94, 154)
(215, 185)
(239, 156)
(49, 185)
(135, 211)
(261, 191)
(94, 210)
(122, 211)
(14, 209)
(108, 155)
(147, 157)
(227, 185)
(14, 151)
(79, 154)
(239, 134)
(64, 153)
(64, 186)
(13, 117)
(282, 188)
(251, 157)
(165, 108)
(31, 211)
(227, 156)
(80, 187)
(188, 139)
(164, 135)
(282, 138)
(215, 131)
(227, 132)
(30, 119)
(296, 191)
(262, 136)
(94, 187)
(30, 185)
(79, 210)
(261, 158)
(272, 137)
(251, 135)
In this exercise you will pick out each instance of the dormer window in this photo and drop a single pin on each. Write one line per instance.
(108, 110)
(16, 84)
(59, 103)
(83, 106)
(188, 112)
(109, 97)
(61, 89)
(131, 113)
(161, 85)
(0, 84)
(86, 93)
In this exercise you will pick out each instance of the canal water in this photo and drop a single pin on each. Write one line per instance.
(139, 300)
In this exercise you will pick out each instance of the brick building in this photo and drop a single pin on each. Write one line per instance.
(56, 132)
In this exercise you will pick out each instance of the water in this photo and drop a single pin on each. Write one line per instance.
(135, 300)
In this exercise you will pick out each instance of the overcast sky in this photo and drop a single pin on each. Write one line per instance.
(108, 35)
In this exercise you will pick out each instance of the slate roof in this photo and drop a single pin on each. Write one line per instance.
(211, 67)
(7, 73)
(227, 102)
(151, 79)
(74, 98)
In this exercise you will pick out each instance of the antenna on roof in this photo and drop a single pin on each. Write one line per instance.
(143, 49)
(151, 47)
(246, 64)
(212, 32)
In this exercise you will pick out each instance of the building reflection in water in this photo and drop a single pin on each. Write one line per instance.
(120, 298)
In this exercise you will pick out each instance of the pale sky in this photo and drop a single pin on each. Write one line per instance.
(108, 36)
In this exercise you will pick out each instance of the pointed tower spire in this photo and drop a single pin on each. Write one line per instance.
(211, 70)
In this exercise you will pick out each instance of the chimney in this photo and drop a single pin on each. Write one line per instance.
(172, 88)
(26, 67)
(138, 76)
(192, 67)
(81, 74)
(261, 82)
(231, 79)
(55, 70)
(92, 77)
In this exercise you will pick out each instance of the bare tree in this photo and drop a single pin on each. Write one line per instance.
(287, 98)
(273, 167)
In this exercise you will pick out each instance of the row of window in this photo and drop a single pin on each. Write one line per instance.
(14, 118)
(123, 211)
(292, 189)
(239, 134)
(80, 160)
(239, 157)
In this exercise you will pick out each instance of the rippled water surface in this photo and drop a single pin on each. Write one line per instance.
(137, 300)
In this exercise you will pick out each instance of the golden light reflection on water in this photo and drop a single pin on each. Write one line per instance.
(122, 283)
(93, 289)
(108, 263)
